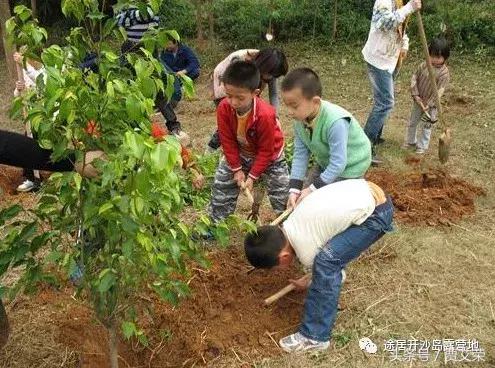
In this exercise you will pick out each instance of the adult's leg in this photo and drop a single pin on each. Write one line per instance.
(382, 84)
(320, 307)
(21, 151)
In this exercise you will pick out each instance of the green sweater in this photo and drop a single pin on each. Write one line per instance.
(358, 144)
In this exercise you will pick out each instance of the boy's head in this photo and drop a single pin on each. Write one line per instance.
(172, 45)
(301, 92)
(271, 63)
(241, 80)
(268, 247)
(439, 51)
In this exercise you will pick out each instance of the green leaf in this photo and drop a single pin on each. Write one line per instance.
(78, 181)
(135, 143)
(9, 213)
(105, 207)
(132, 106)
(128, 329)
(159, 156)
(188, 85)
(107, 280)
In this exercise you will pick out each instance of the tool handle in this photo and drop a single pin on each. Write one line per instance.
(431, 73)
(279, 294)
(282, 217)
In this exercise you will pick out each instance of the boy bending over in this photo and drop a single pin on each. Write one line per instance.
(331, 227)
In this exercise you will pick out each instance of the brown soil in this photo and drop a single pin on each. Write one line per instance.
(224, 316)
(430, 198)
(10, 178)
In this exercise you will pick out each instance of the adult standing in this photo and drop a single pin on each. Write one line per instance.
(387, 43)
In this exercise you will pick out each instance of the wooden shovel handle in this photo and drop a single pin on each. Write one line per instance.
(279, 294)
(282, 217)
(431, 73)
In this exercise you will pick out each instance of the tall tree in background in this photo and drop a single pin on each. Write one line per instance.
(4, 15)
(34, 8)
(334, 27)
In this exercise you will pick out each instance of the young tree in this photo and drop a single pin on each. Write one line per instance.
(119, 234)
(4, 15)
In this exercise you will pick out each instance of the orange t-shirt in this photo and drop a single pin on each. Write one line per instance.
(245, 148)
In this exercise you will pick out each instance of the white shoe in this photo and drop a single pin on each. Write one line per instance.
(297, 342)
(409, 146)
(420, 151)
(27, 186)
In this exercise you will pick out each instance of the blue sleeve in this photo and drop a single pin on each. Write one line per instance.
(300, 161)
(273, 94)
(337, 143)
(192, 68)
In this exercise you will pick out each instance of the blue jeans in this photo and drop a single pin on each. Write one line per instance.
(382, 83)
(320, 306)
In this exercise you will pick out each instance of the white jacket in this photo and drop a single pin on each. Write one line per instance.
(384, 43)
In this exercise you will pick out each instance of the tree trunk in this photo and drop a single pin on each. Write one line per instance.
(199, 22)
(4, 15)
(34, 9)
(113, 346)
(4, 326)
(334, 28)
(211, 23)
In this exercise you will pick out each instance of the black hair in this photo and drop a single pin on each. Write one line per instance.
(263, 246)
(243, 74)
(439, 46)
(272, 61)
(305, 79)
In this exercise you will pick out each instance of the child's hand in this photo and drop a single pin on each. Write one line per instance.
(291, 203)
(18, 57)
(20, 86)
(416, 4)
(302, 283)
(181, 73)
(239, 178)
(248, 184)
(198, 181)
(304, 194)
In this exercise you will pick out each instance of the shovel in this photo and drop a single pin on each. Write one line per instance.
(445, 137)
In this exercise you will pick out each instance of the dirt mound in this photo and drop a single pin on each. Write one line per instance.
(10, 178)
(224, 316)
(429, 198)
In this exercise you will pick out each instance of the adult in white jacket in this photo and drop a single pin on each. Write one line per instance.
(386, 41)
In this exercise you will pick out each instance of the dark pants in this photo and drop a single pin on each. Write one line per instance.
(215, 137)
(21, 151)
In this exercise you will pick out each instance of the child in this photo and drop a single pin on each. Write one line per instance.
(386, 46)
(177, 59)
(252, 142)
(346, 218)
(330, 133)
(424, 110)
(271, 63)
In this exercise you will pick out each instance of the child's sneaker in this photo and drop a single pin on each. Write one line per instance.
(420, 151)
(409, 146)
(26, 186)
(297, 342)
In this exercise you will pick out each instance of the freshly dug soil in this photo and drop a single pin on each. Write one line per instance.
(429, 198)
(224, 316)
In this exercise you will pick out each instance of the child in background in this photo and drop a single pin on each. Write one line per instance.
(326, 131)
(252, 142)
(178, 59)
(271, 63)
(424, 112)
